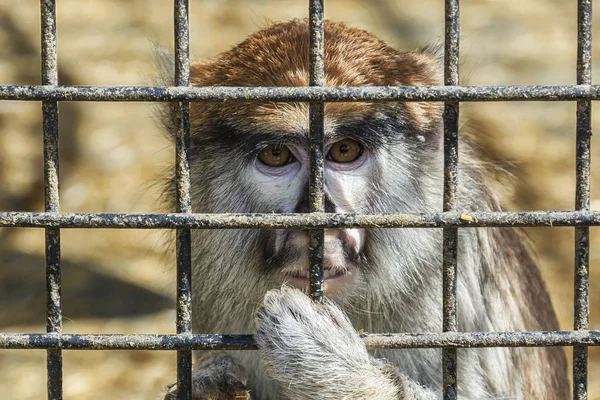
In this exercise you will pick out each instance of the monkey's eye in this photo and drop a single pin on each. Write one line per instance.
(345, 151)
(275, 155)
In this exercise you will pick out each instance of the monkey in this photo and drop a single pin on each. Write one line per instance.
(381, 157)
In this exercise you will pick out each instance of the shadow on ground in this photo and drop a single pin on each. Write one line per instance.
(86, 293)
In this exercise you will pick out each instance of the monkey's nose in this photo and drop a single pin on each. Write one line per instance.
(304, 207)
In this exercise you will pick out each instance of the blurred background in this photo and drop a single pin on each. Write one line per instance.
(122, 281)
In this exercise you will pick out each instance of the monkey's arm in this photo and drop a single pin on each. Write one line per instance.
(218, 378)
(314, 351)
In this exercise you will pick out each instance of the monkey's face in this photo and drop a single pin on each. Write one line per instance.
(254, 157)
(281, 171)
(371, 160)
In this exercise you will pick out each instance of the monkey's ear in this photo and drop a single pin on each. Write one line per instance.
(434, 55)
(164, 63)
(163, 76)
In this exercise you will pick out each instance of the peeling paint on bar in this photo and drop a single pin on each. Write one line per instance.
(305, 221)
(246, 342)
(305, 94)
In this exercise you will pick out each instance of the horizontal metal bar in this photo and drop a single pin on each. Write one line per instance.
(305, 221)
(305, 94)
(246, 342)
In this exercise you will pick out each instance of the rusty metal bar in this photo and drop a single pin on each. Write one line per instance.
(317, 130)
(299, 221)
(450, 236)
(184, 204)
(51, 195)
(582, 197)
(246, 342)
(303, 94)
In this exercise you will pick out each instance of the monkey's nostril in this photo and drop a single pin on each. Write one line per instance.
(352, 239)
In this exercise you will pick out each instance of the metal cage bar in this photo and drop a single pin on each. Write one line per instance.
(184, 204)
(317, 130)
(51, 196)
(481, 219)
(582, 196)
(450, 235)
(304, 94)
(246, 342)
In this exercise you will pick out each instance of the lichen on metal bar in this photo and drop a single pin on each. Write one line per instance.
(246, 342)
(483, 219)
(317, 129)
(49, 71)
(183, 190)
(301, 94)
(450, 236)
(582, 196)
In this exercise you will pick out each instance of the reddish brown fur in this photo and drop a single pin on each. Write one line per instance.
(278, 56)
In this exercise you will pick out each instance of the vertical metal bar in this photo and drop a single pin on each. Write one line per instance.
(582, 196)
(51, 195)
(316, 117)
(450, 235)
(184, 205)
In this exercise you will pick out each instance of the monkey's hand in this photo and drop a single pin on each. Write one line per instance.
(314, 351)
(220, 378)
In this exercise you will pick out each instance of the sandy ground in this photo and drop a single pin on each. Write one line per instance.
(111, 155)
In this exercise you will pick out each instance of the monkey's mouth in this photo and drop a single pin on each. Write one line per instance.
(328, 274)
(334, 278)
(342, 261)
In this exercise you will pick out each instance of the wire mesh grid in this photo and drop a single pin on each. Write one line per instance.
(52, 220)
